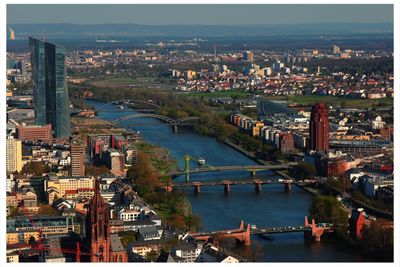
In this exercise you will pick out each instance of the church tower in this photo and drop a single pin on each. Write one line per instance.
(97, 229)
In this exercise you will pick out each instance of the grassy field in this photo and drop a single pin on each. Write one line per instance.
(233, 94)
(343, 102)
(137, 83)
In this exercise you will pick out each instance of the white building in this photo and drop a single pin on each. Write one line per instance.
(378, 123)
(129, 215)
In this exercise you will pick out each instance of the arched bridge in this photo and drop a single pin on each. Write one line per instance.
(312, 231)
(168, 120)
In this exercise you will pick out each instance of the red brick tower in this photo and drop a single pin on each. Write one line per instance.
(97, 230)
(319, 128)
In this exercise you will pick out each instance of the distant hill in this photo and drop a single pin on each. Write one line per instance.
(64, 30)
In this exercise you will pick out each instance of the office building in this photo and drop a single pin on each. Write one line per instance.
(50, 92)
(13, 155)
(335, 49)
(115, 161)
(249, 56)
(68, 188)
(77, 159)
(286, 142)
(34, 132)
(319, 128)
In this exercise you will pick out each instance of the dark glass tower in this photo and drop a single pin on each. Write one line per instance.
(50, 91)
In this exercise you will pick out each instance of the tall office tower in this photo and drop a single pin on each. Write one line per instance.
(77, 159)
(249, 56)
(12, 34)
(335, 49)
(14, 155)
(319, 128)
(50, 92)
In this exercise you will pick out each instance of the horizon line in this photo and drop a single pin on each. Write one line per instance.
(258, 24)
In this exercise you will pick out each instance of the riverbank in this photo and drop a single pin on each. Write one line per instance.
(219, 211)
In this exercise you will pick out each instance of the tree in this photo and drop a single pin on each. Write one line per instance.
(91, 170)
(145, 177)
(152, 255)
(46, 210)
(193, 222)
(177, 221)
(36, 168)
(342, 183)
(303, 170)
(14, 211)
(377, 239)
(328, 209)
(32, 240)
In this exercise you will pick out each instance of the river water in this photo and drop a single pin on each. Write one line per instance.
(271, 207)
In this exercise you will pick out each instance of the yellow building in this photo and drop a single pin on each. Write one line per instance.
(255, 129)
(19, 237)
(9, 93)
(144, 248)
(190, 74)
(12, 257)
(58, 186)
(13, 155)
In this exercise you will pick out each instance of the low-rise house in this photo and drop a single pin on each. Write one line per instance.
(149, 233)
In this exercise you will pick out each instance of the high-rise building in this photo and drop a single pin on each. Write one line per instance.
(319, 128)
(115, 161)
(286, 142)
(12, 34)
(50, 92)
(77, 159)
(335, 49)
(13, 155)
(249, 56)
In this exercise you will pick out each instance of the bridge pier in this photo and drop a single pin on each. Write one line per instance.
(253, 173)
(197, 187)
(288, 187)
(315, 232)
(227, 186)
(258, 187)
(175, 128)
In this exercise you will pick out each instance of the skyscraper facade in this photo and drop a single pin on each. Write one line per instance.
(13, 155)
(77, 159)
(50, 91)
(319, 128)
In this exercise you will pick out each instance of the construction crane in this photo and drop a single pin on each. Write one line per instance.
(40, 247)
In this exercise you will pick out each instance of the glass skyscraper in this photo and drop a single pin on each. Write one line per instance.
(50, 91)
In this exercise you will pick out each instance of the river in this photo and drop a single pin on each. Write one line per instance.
(271, 207)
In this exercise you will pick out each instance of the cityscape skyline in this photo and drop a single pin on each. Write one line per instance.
(200, 143)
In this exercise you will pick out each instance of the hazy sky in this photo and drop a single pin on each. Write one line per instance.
(197, 14)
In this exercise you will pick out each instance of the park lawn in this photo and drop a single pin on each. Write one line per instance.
(233, 94)
(344, 102)
(138, 83)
